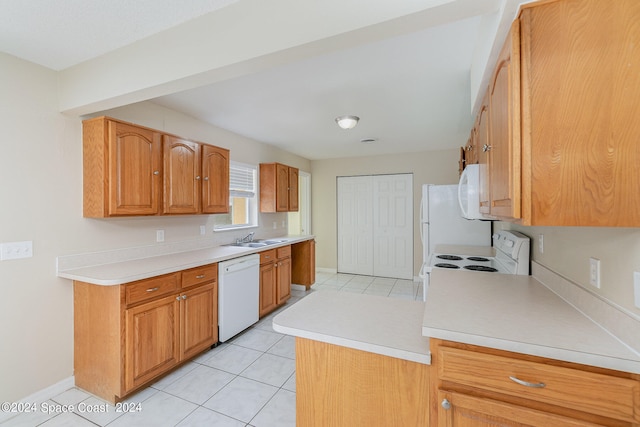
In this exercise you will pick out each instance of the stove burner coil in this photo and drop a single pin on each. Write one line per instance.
(450, 257)
(478, 259)
(445, 265)
(481, 268)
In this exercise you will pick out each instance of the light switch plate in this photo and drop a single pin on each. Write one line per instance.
(636, 288)
(16, 250)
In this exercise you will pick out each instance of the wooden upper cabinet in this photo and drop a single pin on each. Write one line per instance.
(182, 179)
(293, 189)
(121, 169)
(133, 170)
(581, 85)
(278, 188)
(482, 143)
(215, 179)
(504, 130)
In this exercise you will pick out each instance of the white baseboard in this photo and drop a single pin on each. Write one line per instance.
(43, 395)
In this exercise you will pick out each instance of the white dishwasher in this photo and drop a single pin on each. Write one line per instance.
(238, 295)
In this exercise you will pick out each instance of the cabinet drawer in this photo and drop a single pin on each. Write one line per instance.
(151, 288)
(267, 256)
(284, 251)
(204, 274)
(586, 391)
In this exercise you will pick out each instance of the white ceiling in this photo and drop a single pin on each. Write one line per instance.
(411, 91)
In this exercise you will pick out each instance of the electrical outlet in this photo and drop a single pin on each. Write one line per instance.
(636, 288)
(16, 250)
(275, 225)
(594, 272)
(541, 243)
(159, 236)
(203, 230)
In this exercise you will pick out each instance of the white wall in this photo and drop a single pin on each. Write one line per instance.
(41, 200)
(428, 167)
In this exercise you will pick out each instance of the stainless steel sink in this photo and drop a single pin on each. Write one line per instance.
(258, 243)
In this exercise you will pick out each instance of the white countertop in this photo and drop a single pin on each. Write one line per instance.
(386, 326)
(117, 273)
(518, 313)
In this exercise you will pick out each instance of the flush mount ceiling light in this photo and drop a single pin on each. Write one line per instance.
(347, 122)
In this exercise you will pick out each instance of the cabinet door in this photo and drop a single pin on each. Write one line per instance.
(134, 170)
(293, 190)
(151, 340)
(182, 187)
(198, 319)
(284, 280)
(483, 156)
(215, 179)
(460, 410)
(504, 130)
(282, 188)
(267, 288)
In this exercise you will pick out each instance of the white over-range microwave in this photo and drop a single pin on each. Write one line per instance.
(469, 192)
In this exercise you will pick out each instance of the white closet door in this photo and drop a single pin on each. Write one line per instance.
(393, 226)
(355, 225)
(375, 225)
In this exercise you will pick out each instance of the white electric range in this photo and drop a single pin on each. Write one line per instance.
(509, 255)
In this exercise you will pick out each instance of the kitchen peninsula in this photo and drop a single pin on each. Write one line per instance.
(475, 325)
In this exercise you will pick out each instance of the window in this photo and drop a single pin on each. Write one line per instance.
(243, 202)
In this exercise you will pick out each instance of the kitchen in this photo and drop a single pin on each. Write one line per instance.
(49, 154)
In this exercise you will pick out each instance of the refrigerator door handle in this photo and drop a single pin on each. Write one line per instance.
(422, 273)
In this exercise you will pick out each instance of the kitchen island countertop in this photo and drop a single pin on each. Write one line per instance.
(381, 325)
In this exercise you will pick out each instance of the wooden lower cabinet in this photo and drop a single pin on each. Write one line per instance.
(125, 336)
(268, 286)
(339, 386)
(478, 386)
(275, 278)
(303, 263)
(152, 340)
(462, 410)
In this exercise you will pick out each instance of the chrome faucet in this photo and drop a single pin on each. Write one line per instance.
(246, 239)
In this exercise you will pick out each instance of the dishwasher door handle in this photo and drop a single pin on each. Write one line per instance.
(242, 264)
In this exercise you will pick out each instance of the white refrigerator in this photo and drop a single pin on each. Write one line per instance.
(441, 222)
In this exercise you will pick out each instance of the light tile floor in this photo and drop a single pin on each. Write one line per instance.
(247, 381)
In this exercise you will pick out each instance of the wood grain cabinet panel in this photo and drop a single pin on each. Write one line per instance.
(215, 179)
(479, 386)
(275, 278)
(121, 169)
(563, 129)
(182, 180)
(278, 188)
(303, 263)
(128, 335)
(132, 170)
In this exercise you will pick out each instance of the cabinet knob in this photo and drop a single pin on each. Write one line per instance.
(153, 289)
(184, 297)
(156, 172)
(445, 404)
(178, 298)
(200, 276)
(206, 178)
(197, 177)
(485, 148)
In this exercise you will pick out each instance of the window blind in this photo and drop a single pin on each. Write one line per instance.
(242, 180)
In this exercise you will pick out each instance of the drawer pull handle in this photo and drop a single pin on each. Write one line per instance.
(446, 404)
(153, 289)
(527, 383)
(200, 276)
